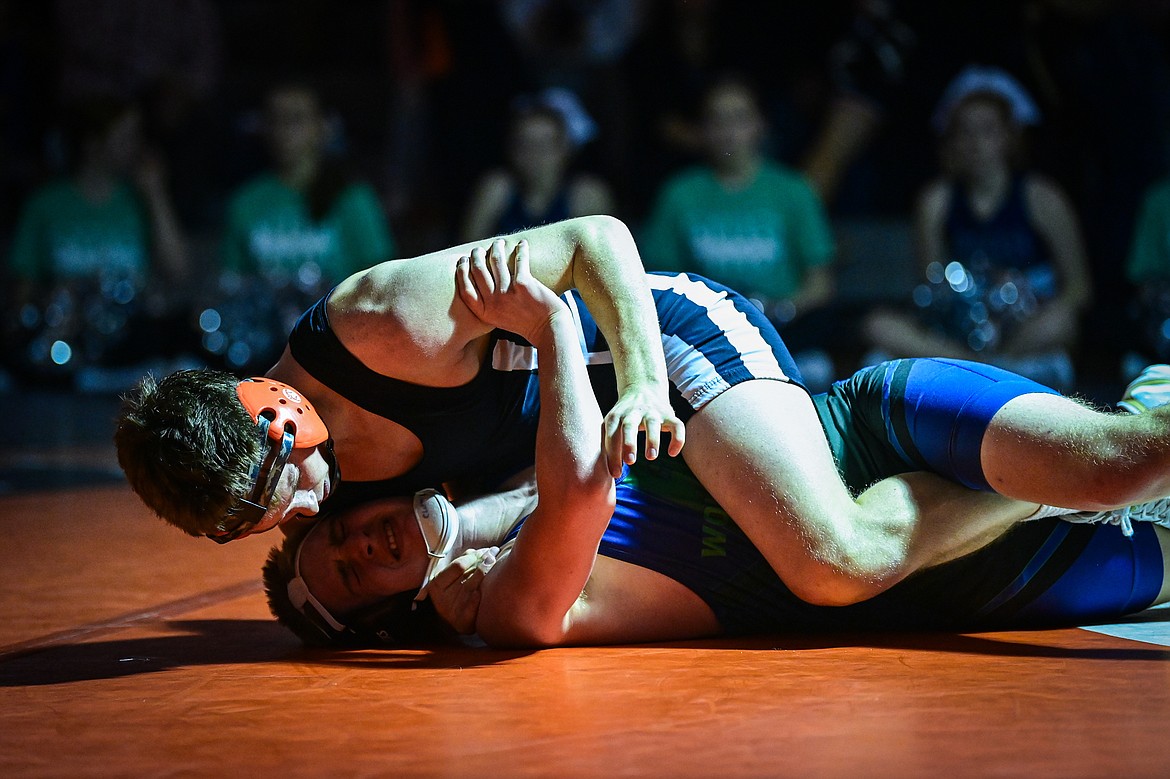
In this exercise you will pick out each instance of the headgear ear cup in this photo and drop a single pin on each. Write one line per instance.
(438, 521)
(285, 406)
(287, 421)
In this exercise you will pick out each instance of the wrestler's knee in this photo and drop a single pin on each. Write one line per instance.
(848, 569)
(825, 584)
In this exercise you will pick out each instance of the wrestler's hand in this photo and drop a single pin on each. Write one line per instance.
(501, 290)
(455, 590)
(640, 408)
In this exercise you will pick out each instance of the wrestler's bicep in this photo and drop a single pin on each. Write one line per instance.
(406, 315)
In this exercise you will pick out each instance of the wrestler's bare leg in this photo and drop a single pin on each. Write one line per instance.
(760, 450)
(1055, 450)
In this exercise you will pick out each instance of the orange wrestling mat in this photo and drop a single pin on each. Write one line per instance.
(129, 649)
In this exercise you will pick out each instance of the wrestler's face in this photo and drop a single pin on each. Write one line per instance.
(303, 486)
(980, 135)
(364, 555)
(732, 124)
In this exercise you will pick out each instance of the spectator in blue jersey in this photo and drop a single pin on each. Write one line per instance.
(1005, 277)
(538, 186)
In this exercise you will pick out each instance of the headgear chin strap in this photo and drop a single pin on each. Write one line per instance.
(303, 600)
(439, 522)
(286, 421)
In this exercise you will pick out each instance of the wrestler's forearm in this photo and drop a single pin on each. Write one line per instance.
(485, 520)
(607, 270)
(530, 593)
(568, 437)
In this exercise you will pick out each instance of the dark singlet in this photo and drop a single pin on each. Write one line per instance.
(1041, 574)
(1006, 240)
(485, 431)
(516, 215)
(496, 411)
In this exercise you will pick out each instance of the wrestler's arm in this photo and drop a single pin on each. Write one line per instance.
(530, 595)
(485, 521)
(597, 255)
(404, 315)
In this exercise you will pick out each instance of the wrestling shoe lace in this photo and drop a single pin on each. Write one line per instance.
(1155, 511)
(1150, 389)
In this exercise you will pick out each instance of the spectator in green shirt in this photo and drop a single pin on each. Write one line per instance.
(97, 249)
(292, 233)
(749, 222)
(1148, 269)
(111, 211)
(306, 211)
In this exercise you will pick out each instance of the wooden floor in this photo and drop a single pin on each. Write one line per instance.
(130, 650)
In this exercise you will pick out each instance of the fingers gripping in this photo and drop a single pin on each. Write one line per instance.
(622, 426)
(455, 590)
(481, 273)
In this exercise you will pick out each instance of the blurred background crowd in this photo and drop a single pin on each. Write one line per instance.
(973, 178)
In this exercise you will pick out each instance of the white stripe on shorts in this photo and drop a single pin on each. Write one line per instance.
(691, 372)
(743, 336)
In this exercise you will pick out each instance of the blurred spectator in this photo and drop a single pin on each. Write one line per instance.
(1000, 246)
(778, 47)
(1149, 271)
(579, 45)
(168, 58)
(568, 36)
(750, 223)
(419, 55)
(308, 210)
(538, 187)
(669, 67)
(99, 258)
(868, 67)
(291, 233)
(1102, 73)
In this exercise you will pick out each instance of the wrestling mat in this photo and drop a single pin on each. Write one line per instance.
(129, 649)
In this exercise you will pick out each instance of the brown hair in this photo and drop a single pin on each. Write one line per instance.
(187, 447)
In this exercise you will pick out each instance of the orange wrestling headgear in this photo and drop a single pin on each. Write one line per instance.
(286, 421)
